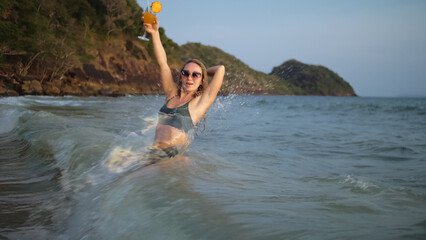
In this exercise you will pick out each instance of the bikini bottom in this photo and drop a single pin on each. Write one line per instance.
(157, 154)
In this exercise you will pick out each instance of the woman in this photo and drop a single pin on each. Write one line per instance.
(186, 103)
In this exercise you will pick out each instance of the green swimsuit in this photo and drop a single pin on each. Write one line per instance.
(179, 117)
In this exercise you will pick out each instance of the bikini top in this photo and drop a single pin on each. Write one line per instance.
(179, 117)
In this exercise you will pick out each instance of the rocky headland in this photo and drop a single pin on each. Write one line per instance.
(90, 48)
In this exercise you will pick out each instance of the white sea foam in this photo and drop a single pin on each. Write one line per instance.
(121, 159)
(8, 120)
(360, 185)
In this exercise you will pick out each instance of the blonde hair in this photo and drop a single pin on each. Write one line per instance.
(203, 84)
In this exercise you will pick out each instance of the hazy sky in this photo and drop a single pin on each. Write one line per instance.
(378, 46)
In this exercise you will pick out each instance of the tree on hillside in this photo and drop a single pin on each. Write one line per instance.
(118, 17)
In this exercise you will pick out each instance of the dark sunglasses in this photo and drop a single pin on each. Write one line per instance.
(185, 73)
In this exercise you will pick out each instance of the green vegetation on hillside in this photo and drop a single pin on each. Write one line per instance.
(90, 47)
(48, 37)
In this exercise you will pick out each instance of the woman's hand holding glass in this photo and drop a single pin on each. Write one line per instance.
(150, 28)
(149, 19)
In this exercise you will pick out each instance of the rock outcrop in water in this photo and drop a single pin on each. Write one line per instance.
(314, 80)
(90, 48)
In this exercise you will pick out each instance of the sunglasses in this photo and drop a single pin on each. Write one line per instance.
(186, 73)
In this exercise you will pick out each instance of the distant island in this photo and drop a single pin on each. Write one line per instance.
(313, 80)
(90, 48)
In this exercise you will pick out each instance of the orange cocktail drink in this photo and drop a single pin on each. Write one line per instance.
(148, 17)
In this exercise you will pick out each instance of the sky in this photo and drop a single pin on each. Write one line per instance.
(378, 46)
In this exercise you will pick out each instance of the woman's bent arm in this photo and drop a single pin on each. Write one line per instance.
(218, 73)
(212, 70)
(210, 93)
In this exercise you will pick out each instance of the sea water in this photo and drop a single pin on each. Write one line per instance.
(263, 167)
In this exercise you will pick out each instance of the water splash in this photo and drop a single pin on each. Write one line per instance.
(359, 185)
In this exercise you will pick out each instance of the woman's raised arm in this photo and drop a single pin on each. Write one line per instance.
(169, 86)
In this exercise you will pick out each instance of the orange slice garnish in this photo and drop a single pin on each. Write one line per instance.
(156, 7)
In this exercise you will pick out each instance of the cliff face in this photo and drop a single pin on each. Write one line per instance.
(113, 72)
(314, 80)
(116, 71)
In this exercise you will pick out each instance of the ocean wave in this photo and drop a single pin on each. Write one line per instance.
(354, 184)
(421, 110)
(359, 185)
(341, 162)
(9, 120)
(28, 180)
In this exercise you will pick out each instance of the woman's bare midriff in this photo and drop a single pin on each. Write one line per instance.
(167, 136)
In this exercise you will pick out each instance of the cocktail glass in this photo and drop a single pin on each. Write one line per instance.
(149, 18)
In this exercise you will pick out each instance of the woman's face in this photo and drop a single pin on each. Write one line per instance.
(191, 76)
